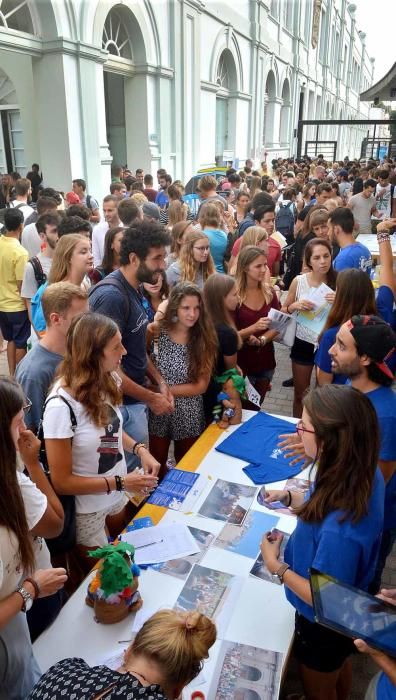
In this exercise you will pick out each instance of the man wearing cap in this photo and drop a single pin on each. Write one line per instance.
(111, 220)
(362, 347)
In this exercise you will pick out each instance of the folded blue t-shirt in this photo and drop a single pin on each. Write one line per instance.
(257, 442)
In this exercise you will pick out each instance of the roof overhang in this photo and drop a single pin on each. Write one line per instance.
(384, 90)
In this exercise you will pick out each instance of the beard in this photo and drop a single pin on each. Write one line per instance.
(143, 274)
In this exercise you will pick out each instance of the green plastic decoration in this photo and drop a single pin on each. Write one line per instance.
(237, 380)
(115, 572)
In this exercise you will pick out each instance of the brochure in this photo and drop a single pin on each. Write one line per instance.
(173, 489)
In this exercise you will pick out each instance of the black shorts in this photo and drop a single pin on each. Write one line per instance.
(302, 352)
(319, 648)
(15, 327)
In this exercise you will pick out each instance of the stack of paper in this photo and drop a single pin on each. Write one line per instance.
(161, 543)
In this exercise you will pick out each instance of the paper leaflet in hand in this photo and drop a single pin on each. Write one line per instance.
(257, 442)
(285, 325)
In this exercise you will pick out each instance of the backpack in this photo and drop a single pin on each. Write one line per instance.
(67, 539)
(38, 319)
(39, 273)
(284, 221)
(3, 211)
(88, 201)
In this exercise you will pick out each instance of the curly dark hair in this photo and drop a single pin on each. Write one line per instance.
(140, 237)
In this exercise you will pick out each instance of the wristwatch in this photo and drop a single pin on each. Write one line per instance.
(27, 598)
(278, 575)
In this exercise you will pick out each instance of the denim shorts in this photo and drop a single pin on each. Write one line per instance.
(135, 424)
(15, 327)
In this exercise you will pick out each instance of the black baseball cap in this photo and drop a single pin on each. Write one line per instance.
(374, 338)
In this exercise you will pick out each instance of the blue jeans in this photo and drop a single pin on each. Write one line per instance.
(135, 424)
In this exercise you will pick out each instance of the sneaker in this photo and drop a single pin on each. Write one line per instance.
(288, 382)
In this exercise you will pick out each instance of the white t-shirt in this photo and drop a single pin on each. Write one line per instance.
(98, 236)
(10, 565)
(384, 204)
(29, 284)
(26, 209)
(30, 240)
(35, 503)
(95, 451)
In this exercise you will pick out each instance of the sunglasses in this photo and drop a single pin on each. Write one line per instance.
(300, 428)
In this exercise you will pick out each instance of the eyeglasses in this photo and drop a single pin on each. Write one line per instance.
(300, 428)
(27, 407)
(202, 249)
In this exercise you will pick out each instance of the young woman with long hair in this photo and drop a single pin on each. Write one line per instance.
(354, 295)
(111, 255)
(317, 258)
(338, 530)
(195, 263)
(177, 212)
(241, 206)
(72, 261)
(304, 235)
(221, 300)
(91, 466)
(154, 294)
(187, 348)
(177, 236)
(20, 583)
(255, 186)
(165, 656)
(253, 236)
(210, 221)
(256, 357)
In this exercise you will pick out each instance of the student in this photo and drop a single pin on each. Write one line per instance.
(154, 294)
(221, 301)
(338, 528)
(195, 262)
(253, 236)
(38, 267)
(317, 259)
(353, 253)
(364, 205)
(354, 295)
(92, 465)
(256, 357)
(80, 188)
(210, 220)
(111, 221)
(264, 218)
(303, 236)
(20, 583)
(360, 351)
(14, 319)
(111, 255)
(177, 234)
(61, 302)
(165, 656)
(187, 348)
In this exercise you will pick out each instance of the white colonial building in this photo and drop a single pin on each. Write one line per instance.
(173, 83)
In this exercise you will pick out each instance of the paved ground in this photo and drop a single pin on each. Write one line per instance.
(279, 400)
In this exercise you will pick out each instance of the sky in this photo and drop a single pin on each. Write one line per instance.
(378, 20)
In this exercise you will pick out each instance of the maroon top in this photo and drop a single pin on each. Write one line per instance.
(255, 359)
(150, 194)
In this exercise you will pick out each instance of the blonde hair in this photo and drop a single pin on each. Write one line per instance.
(177, 212)
(58, 298)
(189, 268)
(246, 257)
(209, 215)
(139, 198)
(177, 642)
(61, 262)
(252, 236)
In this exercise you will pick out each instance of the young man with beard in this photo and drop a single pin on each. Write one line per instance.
(142, 259)
(38, 267)
(362, 346)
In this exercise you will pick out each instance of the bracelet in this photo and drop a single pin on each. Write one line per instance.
(383, 236)
(290, 499)
(137, 447)
(119, 481)
(35, 586)
(108, 486)
(263, 340)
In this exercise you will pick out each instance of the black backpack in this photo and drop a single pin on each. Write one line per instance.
(67, 539)
(285, 220)
(39, 273)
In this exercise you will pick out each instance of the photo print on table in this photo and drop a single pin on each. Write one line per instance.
(207, 591)
(228, 501)
(245, 539)
(259, 569)
(180, 568)
(292, 484)
(246, 673)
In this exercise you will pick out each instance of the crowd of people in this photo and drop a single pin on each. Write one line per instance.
(118, 316)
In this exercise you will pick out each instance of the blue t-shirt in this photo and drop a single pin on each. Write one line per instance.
(385, 689)
(162, 199)
(385, 304)
(384, 402)
(127, 310)
(348, 551)
(218, 245)
(322, 357)
(354, 255)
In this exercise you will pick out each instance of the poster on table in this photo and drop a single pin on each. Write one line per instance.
(246, 673)
(228, 501)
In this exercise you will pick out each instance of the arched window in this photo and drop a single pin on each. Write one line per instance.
(222, 77)
(269, 114)
(15, 14)
(116, 38)
(227, 82)
(285, 113)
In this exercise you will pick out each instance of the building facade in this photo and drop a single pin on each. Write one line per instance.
(178, 84)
